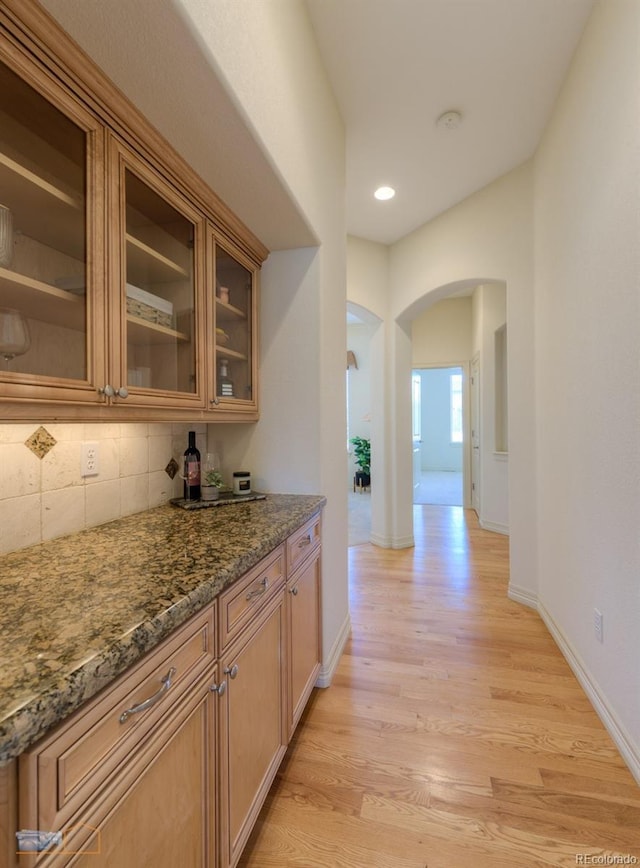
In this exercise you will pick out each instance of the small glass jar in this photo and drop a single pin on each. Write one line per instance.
(241, 482)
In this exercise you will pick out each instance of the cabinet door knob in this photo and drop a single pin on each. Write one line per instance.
(108, 391)
(148, 703)
(215, 401)
(294, 591)
(219, 688)
(231, 671)
(122, 392)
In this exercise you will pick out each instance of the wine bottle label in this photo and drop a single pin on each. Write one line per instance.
(192, 471)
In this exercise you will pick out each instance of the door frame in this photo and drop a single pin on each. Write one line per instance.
(475, 411)
(466, 421)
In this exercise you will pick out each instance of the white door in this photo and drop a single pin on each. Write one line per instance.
(416, 409)
(475, 433)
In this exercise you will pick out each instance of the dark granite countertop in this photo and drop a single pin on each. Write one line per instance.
(78, 611)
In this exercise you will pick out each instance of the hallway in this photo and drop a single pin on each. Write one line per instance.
(454, 734)
(439, 488)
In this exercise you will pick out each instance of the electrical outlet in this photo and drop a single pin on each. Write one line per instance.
(89, 462)
(598, 625)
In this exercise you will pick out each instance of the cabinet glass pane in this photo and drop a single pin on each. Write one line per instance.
(234, 285)
(159, 292)
(42, 235)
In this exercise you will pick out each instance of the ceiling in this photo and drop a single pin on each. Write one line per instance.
(397, 65)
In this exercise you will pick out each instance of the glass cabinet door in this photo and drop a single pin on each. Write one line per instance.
(160, 311)
(235, 313)
(48, 295)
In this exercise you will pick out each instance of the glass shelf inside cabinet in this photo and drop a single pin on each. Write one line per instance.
(160, 299)
(43, 229)
(234, 307)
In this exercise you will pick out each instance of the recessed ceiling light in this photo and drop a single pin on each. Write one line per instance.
(383, 193)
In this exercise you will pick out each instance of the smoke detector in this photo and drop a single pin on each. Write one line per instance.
(450, 120)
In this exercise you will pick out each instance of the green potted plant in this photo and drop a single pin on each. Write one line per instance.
(362, 457)
(211, 485)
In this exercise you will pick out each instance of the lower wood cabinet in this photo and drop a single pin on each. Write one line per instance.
(170, 765)
(160, 812)
(304, 634)
(129, 779)
(253, 734)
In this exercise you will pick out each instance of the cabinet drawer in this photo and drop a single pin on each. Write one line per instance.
(303, 542)
(65, 770)
(239, 604)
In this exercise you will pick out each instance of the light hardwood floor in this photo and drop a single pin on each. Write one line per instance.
(454, 733)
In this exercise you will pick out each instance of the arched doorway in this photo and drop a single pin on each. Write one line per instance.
(362, 375)
(465, 324)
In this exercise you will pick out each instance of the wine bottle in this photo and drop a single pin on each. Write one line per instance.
(192, 469)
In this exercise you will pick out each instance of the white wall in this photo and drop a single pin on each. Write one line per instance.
(587, 236)
(490, 313)
(368, 275)
(442, 334)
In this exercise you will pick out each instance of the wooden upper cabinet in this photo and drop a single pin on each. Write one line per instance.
(158, 311)
(128, 290)
(51, 228)
(233, 365)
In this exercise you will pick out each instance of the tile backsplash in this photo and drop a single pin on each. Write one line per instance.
(43, 495)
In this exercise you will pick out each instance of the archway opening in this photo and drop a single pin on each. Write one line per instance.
(362, 381)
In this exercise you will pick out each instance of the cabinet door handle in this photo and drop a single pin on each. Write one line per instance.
(109, 392)
(258, 592)
(306, 541)
(148, 703)
(231, 671)
(294, 591)
(219, 688)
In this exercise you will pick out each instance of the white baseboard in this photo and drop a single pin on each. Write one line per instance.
(522, 595)
(327, 669)
(387, 542)
(628, 750)
(495, 526)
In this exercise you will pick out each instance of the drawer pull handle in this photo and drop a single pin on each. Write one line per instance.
(231, 671)
(306, 541)
(259, 591)
(148, 703)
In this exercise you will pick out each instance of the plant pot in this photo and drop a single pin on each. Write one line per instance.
(209, 492)
(362, 479)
